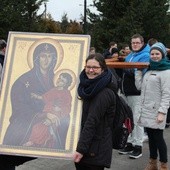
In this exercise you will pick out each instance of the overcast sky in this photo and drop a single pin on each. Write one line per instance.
(73, 8)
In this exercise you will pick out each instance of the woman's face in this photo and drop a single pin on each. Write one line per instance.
(45, 60)
(155, 55)
(93, 69)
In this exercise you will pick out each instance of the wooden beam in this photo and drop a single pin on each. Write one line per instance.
(127, 64)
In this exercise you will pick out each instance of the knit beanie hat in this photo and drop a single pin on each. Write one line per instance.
(160, 47)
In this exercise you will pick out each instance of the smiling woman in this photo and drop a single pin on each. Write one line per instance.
(155, 97)
(97, 83)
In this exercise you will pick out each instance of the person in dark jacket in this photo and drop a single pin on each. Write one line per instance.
(108, 52)
(3, 45)
(97, 83)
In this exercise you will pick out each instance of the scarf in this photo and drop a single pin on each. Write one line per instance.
(163, 64)
(88, 88)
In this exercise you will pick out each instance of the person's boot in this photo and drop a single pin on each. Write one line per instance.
(163, 166)
(152, 165)
(127, 149)
(137, 152)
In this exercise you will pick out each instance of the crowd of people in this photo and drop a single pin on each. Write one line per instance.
(146, 91)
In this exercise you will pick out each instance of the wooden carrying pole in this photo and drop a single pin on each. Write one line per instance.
(139, 65)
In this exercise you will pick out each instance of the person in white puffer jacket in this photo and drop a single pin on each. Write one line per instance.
(155, 97)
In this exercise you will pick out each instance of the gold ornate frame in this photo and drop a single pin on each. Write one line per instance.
(72, 51)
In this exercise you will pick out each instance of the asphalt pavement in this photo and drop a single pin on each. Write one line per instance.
(119, 162)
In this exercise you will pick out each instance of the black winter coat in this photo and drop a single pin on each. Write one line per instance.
(95, 141)
(2, 59)
(128, 87)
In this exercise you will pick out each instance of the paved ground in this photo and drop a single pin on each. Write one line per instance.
(119, 162)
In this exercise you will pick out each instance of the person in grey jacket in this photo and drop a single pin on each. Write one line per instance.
(155, 97)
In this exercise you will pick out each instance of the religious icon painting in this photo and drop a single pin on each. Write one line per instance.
(40, 113)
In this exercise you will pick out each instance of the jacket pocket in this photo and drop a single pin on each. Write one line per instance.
(94, 148)
(150, 105)
(150, 110)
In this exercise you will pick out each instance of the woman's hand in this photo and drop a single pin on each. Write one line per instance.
(160, 117)
(77, 157)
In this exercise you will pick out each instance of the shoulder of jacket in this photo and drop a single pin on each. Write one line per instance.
(106, 92)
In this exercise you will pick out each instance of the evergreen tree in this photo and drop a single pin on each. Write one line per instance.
(118, 20)
(74, 28)
(48, 25)
(19, 15)
(64, 23)
(156, 21)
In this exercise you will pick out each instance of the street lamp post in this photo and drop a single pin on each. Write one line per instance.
(85, 17)
(168, 3)
(45, 10)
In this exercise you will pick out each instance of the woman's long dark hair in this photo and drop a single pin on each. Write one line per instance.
(98, 57)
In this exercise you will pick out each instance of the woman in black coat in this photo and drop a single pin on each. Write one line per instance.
(97, 83)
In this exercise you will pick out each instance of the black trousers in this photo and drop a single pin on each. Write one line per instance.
(13, 168)
(168, 116)
(88, 167)
(157, 144)
(9, 162)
